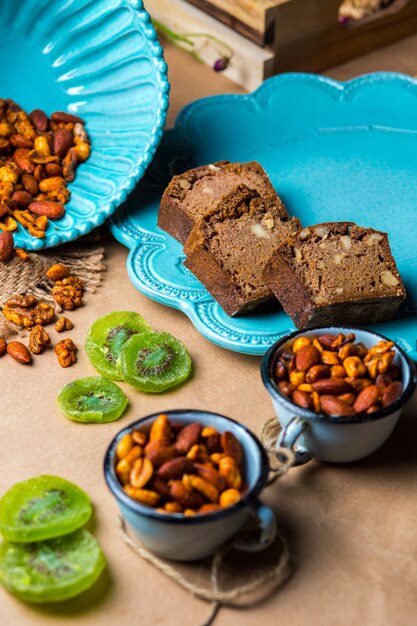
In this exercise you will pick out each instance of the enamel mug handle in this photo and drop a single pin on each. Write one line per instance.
(267, 525)
(288, 438)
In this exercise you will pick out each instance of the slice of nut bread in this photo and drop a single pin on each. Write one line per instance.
(228, 248)
(336, 273)
(191, 195)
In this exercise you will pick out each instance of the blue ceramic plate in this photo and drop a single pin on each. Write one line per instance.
(101, 60)
(334, 151)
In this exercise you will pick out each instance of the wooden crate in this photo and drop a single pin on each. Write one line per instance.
(251, 63)
(308, 37)
(255, 19)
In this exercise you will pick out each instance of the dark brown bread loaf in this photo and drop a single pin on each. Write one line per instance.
(191, 195)
(227, 250)
(336, 273)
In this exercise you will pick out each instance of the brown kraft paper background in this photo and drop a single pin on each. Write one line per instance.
(351, 528)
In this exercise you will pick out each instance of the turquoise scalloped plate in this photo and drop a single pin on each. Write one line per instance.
(334, 151)
(101, 60)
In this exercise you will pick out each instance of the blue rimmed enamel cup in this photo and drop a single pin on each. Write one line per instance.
(328, 437)
(174, 536)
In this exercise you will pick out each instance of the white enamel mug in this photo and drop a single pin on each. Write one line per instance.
(174, 536)
(328, 437)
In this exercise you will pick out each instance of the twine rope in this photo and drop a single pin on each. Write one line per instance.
(278, 574)
(280, 459)
(218, 597)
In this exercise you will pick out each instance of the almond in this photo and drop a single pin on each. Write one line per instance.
(6, 245)
(53, 210)
(188, 498)
(306, 357)
(63, 139)
(175, 468)
(332, 386)
(366, 398)
(158, 453)
(188, 437)
(317, 372)
(392, 393)
(383, 381)
(232, 446)
(19, 352)
(30, 184)
(22, 158)
(63, 116)
(331, 405)
(22, 199)
(52, 169)
(18, 141)
(303, 399)
(39, 120)
(3, 346)
(327, 341)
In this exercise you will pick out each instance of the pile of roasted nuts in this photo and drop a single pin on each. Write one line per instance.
(188, 469)
(334, 375)
(38, 158)
(31, 314)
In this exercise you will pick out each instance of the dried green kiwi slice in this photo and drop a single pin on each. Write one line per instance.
(154, 362)
(42, 508)
(106, 338)
(92, 399)
(52, 570)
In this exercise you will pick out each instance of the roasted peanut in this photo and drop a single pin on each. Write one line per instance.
(210, 474)
(230, 472)
(124, 446)
(161, 431)
(202, 485)
(58, 271)
(300, 342)
(229, 497)
(199, 453)
(173, 507)
(141, 472)
(139, 438)
(329, 358)
(145, 496)
(208, 431)
(354, 367)
(337, 371)
(297, 378)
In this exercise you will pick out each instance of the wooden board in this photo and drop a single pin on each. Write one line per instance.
(250, 65)
(255, 19)
(308, 37)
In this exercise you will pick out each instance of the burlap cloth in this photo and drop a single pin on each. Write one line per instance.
(83, 257)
